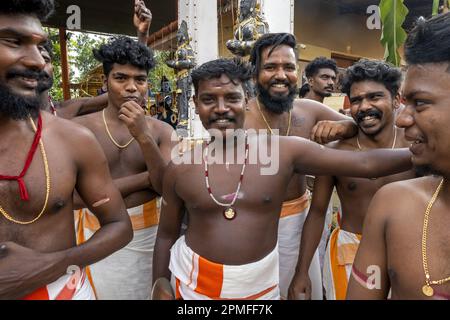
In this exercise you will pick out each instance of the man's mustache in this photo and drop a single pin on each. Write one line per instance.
(369, 113)
(29, 74)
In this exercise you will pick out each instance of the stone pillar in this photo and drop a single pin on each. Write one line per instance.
(279, 14)
(201, 18)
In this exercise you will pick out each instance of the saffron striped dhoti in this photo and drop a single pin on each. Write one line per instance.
(338, 262)
(67, 287)
(197, 278)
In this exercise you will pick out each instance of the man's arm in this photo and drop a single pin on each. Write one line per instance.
(142, 20)
(311, 158)
(72, 108)
(157, 154)
(169, 225)
(369, 279)
(330, 124)
(126, 185)
(311, 235)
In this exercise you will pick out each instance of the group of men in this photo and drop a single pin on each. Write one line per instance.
(243, 226)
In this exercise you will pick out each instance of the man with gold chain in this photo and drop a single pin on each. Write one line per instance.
(122, 129)
(373, 89)
(39, 256)
(229, 250)
(275, 108)
(406, 230)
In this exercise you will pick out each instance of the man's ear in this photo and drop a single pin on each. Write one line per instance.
(105, 81)
(195, 98)
(397, 101)
(310, 81)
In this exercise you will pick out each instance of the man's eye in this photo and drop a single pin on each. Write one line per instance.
(11, 41)
(207, 100)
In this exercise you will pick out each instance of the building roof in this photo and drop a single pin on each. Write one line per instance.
(113, 16)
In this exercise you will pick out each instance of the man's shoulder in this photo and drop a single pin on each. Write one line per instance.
(88, 119)
(306, 105)
(67, 129)
(403, 192)
(162, 128)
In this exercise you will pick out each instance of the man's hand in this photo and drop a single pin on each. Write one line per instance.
(142, 17)
(132, 114)
(300, 288)
(327, 131)
(23, 270)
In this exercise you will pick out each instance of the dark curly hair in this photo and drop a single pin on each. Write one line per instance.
(320, 63)
(429, 41)
(124, 50)
(273, 40)
(235, 69)
(373, 70)
(42, 9)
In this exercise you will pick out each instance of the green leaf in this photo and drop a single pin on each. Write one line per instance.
(435, 10)
(393, 14)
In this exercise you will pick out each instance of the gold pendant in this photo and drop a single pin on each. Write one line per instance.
(229, 213)
(427, 290)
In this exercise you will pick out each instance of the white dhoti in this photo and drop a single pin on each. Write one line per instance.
(126, 274)
(292, 218)
(197, 278)
(68, 287)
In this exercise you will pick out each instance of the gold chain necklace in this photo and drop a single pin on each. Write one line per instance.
(427, 289)
(267, 123)
(393, 143)
(110, 136)
(47, 185)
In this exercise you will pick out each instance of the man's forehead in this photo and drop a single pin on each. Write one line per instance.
(326, 71)
(428, 77)
(128, 69)
(282, 48)
(222, 82)
(23, 25)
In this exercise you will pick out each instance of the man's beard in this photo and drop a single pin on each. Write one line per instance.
(18, 107)
(278, 103)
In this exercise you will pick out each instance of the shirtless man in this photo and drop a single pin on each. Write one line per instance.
(126, 63)
(275, 107)
(71, 108)
(373, 89)
(230, 246)
(406, 235)
(37, 239)
(321, 74)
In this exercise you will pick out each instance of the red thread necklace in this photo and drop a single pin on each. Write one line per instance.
(19, 178)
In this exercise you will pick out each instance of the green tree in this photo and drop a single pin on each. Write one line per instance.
(82, 61)
(393, 13)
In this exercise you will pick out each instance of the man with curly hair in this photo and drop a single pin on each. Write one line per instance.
(373, 89)
(230, 248)
(406, 230)
(43, 160)
(321, 74)
(122, 130)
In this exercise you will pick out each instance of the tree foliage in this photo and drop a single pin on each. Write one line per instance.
(393, 13)
(82, 61)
